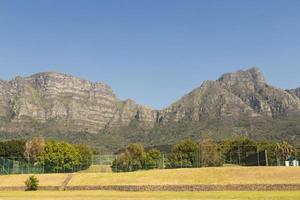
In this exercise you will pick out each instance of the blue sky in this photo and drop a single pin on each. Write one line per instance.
(151, 51)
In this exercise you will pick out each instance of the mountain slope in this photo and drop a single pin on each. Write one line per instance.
(239, 103)
(75, 104)
(61, 106)
(234, 95)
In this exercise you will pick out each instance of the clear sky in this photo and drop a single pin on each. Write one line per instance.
(151, 51)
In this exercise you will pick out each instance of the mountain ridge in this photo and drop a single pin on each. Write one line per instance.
(60, 103)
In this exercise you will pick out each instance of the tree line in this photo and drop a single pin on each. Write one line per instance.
(205, 153)
(52, 156)
(57, 156)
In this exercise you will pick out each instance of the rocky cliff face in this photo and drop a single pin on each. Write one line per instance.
(78, 104)
(250, 86)
(243, 94)
(74, 104)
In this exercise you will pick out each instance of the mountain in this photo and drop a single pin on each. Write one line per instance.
(239, 103)
(71, 103)
(235, 95)
(61, 106)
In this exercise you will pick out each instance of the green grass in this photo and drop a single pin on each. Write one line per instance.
(111, 195)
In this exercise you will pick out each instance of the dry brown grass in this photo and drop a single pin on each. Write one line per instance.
(98, 168)
(44, 179)
(221, 175)
(109, 195)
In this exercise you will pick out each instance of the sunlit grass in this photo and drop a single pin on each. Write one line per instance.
(221, 175)
(98, 168)
(111, 195)
(44, 179)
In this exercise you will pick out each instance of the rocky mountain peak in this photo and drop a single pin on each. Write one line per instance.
(257, 75)
(242, 93)
(49, 79)
(251, 76)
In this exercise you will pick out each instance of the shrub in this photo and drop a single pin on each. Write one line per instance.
(32, 183)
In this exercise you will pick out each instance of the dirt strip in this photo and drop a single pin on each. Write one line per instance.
(174, 188)
(181, 188)
(66, 182)
(22, 188)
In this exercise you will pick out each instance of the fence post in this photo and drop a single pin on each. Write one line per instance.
(239, 156)
(180, 160)
(258, 161)
(266, 156)
(277, 159)
(163, 160)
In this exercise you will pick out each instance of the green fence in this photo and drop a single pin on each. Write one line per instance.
(9, 166)
(240, 155)
(206, 156)
(103, 159)
(15, 165)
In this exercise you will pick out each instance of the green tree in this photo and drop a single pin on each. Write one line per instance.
(86, 155)
(270, 147)
(235, 151)
(284, 150)
(152, 159)
(59, 157)
(130, 159)
(121, 163)
(184, 154)
(137, 156)
(209, 153)
(13, 149)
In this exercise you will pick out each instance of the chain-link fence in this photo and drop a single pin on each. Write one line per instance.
(243, 155)
(15, 166)
(205, 156)
(213, 156)
(18, 165)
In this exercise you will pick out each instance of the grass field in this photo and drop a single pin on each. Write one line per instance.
(45, 179)
(222, 175)
(98, 169)
(108, 195)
